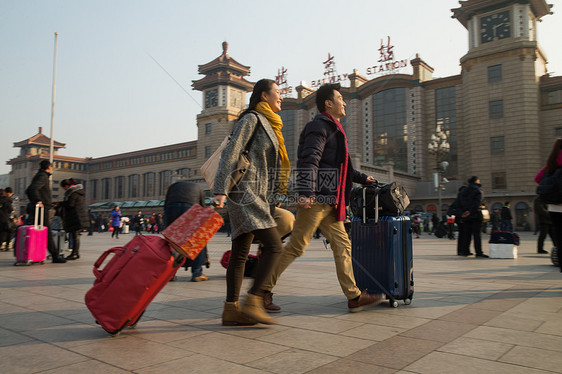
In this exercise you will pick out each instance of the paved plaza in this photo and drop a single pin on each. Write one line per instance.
(468, 315)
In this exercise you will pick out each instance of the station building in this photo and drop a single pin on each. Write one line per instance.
(500, 115)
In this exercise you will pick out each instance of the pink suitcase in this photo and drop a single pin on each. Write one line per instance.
(31, 241)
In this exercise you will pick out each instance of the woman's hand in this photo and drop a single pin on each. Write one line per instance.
(219, 200)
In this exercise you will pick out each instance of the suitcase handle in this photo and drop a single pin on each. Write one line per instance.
(36, 219)
(364, 218)
(99, 262)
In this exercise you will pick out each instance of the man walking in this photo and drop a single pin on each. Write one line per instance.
(506, 217)
(324, 179)
(39, 192)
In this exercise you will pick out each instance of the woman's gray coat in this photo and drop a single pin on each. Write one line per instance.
(249, 201)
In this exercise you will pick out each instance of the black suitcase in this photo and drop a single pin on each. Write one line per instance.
(382, 256)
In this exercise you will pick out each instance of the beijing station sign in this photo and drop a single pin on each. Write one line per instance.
(387, 63)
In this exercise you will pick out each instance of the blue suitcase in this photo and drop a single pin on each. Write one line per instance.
(382, 256)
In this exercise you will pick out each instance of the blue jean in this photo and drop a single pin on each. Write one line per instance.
(171, 213)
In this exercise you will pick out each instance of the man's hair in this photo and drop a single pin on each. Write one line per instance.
(325, 92)
(8, 189)
(473, 179)
(44, 165)
(506, 203)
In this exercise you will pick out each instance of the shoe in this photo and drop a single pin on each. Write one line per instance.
(466, 254)
(72, 257)
(359, 303)
(482, 255)
(253, 307)
(232, 316)
(200, 278)
(542, 251)
(59, 260)
(268, 303)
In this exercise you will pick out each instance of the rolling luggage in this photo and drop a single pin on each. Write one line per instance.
(382, 256)
(124, 288)
(31, 241)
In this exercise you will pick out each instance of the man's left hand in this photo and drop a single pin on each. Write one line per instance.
(371, 180)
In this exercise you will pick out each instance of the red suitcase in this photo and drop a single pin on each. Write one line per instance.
(124, 288)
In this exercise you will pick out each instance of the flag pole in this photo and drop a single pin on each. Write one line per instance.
(51, 147)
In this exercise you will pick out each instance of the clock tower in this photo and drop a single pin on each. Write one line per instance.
(500, 137)
(224, 97)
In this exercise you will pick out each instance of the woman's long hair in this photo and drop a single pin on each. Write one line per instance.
(552, 161)
(263, 85)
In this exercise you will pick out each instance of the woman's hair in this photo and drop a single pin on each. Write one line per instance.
(263, 85)
(552, 161)
(68, 182)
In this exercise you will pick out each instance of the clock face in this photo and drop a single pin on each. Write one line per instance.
(495, 27)
(211, 98)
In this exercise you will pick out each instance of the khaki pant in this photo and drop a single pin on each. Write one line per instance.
(307, 221)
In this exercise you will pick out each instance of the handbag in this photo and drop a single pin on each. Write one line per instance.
(210, 167)
(191, 231)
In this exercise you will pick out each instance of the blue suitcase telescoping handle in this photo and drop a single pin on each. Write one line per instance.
(364, 215)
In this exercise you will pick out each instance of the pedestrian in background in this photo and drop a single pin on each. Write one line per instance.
(39, 193)
(74, 214)
(506, 217)
(5, 213)
(116, 221)
(469, 201)
(545, 224)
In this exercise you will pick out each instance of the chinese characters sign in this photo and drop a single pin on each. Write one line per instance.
(386, 61)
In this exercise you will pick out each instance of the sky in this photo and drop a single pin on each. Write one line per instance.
(125, 67)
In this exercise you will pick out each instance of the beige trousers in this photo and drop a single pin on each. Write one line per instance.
(307, 221)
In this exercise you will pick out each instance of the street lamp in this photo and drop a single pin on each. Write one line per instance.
(439, 146)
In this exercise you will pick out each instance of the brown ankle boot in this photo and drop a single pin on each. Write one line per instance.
(253, 308)
(231, 315)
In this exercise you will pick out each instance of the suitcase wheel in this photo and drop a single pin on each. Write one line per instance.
(408, 301)
(393, 303)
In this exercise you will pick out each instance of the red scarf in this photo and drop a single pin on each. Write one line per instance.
(340, 194)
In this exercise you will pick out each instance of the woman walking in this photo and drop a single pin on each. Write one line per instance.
(116, 221)
(251, 201)
(75, 216)
(551, 170)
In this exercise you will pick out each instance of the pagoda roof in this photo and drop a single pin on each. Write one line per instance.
(39, 139)
(469, 8)
(223, 69)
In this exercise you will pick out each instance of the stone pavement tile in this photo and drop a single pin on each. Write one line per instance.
(550, 328)
(430, 309)
(8, 337)
(250, 332)
(315, 323)
(446, 363)
(229, 348)
(198, 363)
(396, 352)
(178, 315)
(514, 323)
(351, 366)
(497, 304)
(35, 356)
(63, 306)
(534, 358)
(303, 307)
(440, 331)
(87, 367)
(470, 315)
(128, 352)
(476, 348)
(31, 320)
(373, 332)
(6, 308)
(68, 336)
(292, 361)
(386, 319)
(522, 338)
(165, 332)
(329, 344)
(28, 299)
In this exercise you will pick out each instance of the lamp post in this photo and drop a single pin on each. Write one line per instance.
(439, 146)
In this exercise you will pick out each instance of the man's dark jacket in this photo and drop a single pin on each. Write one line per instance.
(470, 199)
(185, 192)
(75, 215)
(321, 152)
(40, 190)
(5, 211)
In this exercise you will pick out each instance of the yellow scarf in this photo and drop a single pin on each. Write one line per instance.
(276, 123)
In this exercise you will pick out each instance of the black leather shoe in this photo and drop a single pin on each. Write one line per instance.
(72, 257)
(59, 260)
(482, 255)
(542, 251)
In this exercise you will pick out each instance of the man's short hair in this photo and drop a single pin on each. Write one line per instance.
(506, 203)
(44, 165)
(473, 179)
(325, 92)
(8, 190)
